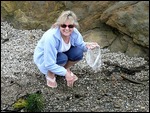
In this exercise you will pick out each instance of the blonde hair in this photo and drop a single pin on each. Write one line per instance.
(66, 15)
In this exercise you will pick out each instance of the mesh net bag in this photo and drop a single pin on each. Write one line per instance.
(93, 58)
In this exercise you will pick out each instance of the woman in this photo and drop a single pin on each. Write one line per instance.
(60, 47)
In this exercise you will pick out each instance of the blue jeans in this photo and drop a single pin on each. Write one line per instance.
(73, 54)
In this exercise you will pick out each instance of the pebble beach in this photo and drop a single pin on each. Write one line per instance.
(95, 91)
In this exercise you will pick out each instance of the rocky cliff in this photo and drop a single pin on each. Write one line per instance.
(117, 25)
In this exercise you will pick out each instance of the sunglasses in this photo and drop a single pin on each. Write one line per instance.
(69, 26)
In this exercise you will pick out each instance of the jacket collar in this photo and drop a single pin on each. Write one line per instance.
(57, 33)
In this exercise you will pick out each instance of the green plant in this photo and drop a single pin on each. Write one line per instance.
(35, 103)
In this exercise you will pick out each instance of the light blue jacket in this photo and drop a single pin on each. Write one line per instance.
(45, 53)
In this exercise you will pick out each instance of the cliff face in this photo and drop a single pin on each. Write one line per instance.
(119, 25)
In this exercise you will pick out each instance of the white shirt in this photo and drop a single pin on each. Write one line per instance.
(65, 47)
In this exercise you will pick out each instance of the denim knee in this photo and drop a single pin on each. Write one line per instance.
(62, 58)
(75, 54)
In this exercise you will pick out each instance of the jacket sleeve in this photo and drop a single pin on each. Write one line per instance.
(78, 40)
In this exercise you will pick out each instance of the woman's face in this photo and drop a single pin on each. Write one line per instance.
(66, 29)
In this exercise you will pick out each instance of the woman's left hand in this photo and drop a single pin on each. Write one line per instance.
(91, 45)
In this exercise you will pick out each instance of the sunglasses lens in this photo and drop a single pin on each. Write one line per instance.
(64, 26)
(70, 26)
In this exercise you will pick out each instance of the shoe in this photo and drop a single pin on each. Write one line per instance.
(51, 82)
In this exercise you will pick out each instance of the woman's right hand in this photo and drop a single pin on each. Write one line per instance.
(70, 78)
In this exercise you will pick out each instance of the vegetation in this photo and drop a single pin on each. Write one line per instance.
(32, 103)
